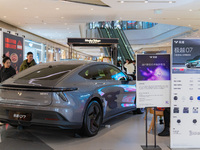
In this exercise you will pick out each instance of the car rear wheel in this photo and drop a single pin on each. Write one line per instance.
(92, 119)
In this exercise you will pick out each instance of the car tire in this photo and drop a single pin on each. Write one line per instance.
(139, 111)
(189, 65)
(92, 119)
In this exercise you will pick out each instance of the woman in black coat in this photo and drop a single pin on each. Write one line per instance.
(7, 70)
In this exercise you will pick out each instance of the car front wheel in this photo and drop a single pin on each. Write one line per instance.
(92, 119)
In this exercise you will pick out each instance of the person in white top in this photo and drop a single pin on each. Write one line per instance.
(130, 68)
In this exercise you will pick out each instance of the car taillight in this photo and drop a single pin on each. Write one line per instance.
(63, 96)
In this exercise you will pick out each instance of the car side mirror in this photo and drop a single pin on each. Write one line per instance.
(130, 78)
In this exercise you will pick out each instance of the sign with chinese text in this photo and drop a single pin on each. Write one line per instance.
(185, 94)
(13, 47)
(153, 80)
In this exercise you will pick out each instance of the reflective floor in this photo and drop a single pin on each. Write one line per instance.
(126, 132)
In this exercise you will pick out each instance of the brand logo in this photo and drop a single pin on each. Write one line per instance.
(19, 45)
(179, 42)
(19, 116)
(92, 40)
(19, 93)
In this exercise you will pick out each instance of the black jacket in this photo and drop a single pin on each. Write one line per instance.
(6, 73)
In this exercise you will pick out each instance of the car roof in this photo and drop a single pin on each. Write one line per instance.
(72, 62)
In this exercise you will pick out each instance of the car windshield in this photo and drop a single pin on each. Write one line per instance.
(46, 76)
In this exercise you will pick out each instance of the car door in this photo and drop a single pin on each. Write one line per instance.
(119, 93)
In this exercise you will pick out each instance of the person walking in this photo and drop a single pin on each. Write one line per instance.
(7, 70)
(166, 131)
(129, 67)
(29, 62)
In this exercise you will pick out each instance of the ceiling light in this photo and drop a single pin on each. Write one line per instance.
(62, 17)
(4, 16)
(91, 9)
(189, 25)
(36, 17)
(121, 1)
(190, 9)
(45, 23)
(178, 18)
(57, 8)
(146, 1)
(25, 8)
(65, 23)
(170, 2)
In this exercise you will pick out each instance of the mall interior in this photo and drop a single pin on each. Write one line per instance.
(45, 26)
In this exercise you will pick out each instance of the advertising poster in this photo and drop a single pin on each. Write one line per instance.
(153, 80)
(1, 47)
(185, 94)
(13, 47)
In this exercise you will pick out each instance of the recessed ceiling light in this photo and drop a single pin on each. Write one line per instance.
(25, 8)
(4, 16)
(170, 2)
(91, 9)
(62, 17)
(36, 17)
(178, 18)
(146, 1)
(121, 1)
(57, 8)
(190, 9)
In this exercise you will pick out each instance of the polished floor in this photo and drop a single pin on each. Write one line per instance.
(126, 132)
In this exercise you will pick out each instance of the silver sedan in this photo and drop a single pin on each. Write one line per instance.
(68, 94)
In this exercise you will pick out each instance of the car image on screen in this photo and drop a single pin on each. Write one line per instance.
(67, 94)
(193, 63)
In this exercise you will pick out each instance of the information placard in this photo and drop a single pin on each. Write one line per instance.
(13, 47)
(185, 94)
(153, 80)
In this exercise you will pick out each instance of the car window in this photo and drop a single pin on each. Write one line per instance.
(45, 75)
(103, 72)
(114, 73)
(95, 72)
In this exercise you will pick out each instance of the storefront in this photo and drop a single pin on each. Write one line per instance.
(38, 50)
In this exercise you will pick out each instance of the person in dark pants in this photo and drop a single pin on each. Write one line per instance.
(7, 70)
(166, 132)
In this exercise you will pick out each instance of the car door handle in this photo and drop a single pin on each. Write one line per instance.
(99, 83)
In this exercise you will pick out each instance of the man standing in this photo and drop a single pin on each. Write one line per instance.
(29, 62)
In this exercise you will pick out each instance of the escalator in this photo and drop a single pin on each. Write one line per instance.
(124, 48)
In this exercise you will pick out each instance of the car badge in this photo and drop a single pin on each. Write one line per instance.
(19, 93)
